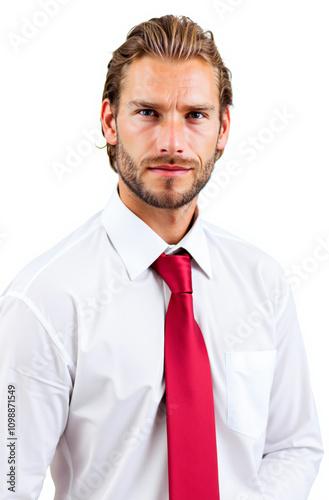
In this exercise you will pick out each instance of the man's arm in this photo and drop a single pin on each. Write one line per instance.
(293, 448)
(35, 389)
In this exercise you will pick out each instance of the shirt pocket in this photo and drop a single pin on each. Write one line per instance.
(249, 378)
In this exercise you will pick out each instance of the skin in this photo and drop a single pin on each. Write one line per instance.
(173, 132)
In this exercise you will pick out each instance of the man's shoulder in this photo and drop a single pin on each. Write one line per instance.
(58, 264)
(241, 253)
(222, 234)
(218, 235)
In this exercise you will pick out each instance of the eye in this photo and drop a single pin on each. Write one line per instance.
(197, 113)
(146, 111)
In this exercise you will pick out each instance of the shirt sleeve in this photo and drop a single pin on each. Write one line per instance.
(293, 448)
(35, 388)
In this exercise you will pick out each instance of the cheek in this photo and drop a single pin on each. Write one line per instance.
(205, 135)
(202, 144)
(136, 135)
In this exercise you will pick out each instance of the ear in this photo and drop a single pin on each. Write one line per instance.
(108, 122)
(224, 132)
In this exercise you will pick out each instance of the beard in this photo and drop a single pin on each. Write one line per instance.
(169, 198)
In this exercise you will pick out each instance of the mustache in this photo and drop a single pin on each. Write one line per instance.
(161, 160)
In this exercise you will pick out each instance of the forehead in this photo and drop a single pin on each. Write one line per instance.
(149, 76)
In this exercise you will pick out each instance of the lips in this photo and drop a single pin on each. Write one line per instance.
(170, 170)
(169, 167)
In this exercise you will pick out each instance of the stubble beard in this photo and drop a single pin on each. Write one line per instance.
(128, 171)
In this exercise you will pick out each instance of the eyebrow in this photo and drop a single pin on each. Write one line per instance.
(210, 108)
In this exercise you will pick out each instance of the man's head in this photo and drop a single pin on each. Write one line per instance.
(165, 102)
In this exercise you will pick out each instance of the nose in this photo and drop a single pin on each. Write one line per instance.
(171, 138)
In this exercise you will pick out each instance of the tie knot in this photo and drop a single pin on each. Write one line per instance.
(175, 270)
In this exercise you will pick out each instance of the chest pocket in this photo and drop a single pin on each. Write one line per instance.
(249, 378)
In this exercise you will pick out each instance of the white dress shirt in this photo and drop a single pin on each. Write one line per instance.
(82, 342)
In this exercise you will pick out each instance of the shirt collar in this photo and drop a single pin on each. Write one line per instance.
(139, 246)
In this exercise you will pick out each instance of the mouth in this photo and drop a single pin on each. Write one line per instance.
(170, 170)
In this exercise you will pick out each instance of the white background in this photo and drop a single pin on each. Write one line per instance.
(51, 89)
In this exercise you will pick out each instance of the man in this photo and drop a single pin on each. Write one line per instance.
(109, 373)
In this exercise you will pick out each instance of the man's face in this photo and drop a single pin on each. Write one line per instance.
(167, 130)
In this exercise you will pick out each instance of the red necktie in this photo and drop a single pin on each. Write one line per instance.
(191, 434)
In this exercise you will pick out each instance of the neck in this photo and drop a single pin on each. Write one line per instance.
(170, 224)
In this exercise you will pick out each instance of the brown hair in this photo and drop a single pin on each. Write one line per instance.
(165, 37)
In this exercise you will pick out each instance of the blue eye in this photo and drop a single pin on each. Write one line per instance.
(147, 110)
(196, 113)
